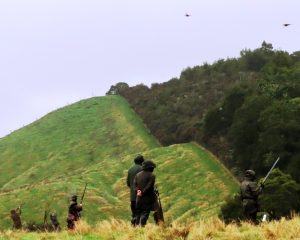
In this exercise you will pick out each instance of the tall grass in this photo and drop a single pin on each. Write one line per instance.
(201, 230)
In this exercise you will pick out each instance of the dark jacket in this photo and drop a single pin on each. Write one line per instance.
(250, 192)
(132, 172)
(250, 189)
(145, 181)
(74, 211)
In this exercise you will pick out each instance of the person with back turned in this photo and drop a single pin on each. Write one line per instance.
(132, 172)
(144, 183)
(250, 192)
(74, 212)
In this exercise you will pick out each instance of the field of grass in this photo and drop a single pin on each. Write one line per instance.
(95, 141)
(201, 230)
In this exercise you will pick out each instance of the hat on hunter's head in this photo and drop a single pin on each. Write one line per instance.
(74, 198)
(148, 165)
(250, 174)
(139, 159)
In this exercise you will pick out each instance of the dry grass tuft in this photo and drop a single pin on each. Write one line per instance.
(82, 228)
(207, 229)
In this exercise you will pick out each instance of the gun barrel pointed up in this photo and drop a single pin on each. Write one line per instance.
(82, 197)
(265, 179)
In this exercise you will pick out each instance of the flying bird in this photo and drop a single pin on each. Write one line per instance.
(187, 15)
(286, 24)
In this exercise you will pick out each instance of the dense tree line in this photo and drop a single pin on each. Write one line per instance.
(260, 120)
(246, 110)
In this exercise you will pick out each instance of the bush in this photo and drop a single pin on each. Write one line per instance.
(281, 195)
(232, 210)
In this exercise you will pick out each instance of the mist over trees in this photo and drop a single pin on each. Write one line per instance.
(246, 110)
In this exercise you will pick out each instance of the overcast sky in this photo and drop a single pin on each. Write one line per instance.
(55, 52)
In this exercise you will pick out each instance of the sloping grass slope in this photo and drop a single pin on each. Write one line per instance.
(95, 141)
(80, 135)
(192, 183)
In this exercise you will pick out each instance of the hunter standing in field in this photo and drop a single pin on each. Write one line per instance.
(132, 172)
(250, 192)
(74, 212)
(144, 183)
(15, 215)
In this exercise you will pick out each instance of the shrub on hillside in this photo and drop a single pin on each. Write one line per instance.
(232, 210)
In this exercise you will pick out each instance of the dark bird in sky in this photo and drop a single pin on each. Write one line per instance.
(187, 15)
(286, 24)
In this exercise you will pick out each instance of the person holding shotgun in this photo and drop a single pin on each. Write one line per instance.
(250, 192)
(75, 210)
(15, 215)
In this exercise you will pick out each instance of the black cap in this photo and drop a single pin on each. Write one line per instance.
(74, 198)
(250, 174)
(148, 165)
(139, 159)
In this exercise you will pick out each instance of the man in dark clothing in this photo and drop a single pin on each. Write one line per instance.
(15, 215)
(132, 172)
(74, 212)
(144, 183)
(250, 192)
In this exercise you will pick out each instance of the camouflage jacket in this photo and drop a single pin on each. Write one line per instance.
(250, 190)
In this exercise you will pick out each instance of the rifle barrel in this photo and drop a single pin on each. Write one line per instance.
(271, 170)
(82, 197)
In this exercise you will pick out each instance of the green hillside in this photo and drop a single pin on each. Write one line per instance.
(95, 141)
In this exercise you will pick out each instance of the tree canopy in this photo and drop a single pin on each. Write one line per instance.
(246, 109)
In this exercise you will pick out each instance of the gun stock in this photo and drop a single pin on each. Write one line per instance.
(159, 214)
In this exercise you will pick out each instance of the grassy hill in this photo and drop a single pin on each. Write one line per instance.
(95, 141)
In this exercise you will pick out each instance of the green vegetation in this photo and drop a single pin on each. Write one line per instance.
(71, 138)
(95, 141)
(245, 110)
